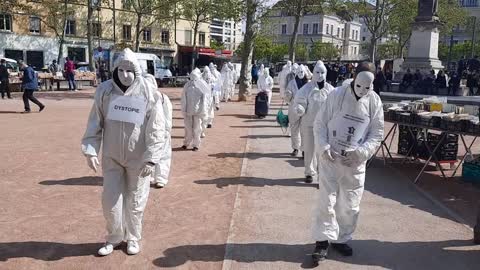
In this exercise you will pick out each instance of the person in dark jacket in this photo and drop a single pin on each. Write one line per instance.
(379, 82)
(4, 83)
(454, 83)
(407, 81)
(29, 85)
(472, 82)
(254, 74)
(441, 81)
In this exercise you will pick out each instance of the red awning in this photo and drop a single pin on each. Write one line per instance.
(207, 51)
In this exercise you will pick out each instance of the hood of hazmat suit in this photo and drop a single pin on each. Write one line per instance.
(127, 123)
(265, 83)
(310, 97)
(195, 96)
(208, 77)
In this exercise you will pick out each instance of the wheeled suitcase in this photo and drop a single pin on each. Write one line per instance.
(261, 104)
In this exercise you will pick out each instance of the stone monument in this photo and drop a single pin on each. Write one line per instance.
(423, 50)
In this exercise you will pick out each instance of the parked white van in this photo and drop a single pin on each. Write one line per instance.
(151, 64)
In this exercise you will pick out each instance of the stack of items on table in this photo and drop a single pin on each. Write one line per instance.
(447, 151)
(85, 75)
(435, 113)
(471, 171)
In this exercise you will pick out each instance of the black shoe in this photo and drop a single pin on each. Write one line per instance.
(321, 251)
(209, 126)
(218, 108)
(195, 149)
(476, 235)
(294, 153)
(184, 147)
(343, 249)
(308, 179)
(41, 108)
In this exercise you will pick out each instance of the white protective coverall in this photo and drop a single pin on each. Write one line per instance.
(308, 100)
(260, 72)
(195, 102)
(162, 169)
(355, 128)
(235, 76)
(227, 82)
(283, 83)
(209, 78)
(265, 84)
(293, 117)
(217, 87)
(130, 127)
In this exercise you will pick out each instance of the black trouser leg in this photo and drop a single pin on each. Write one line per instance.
(4, 87)
(33, 99)
(25, 100)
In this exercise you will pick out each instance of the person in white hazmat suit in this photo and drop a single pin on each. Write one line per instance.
(162, 169)
(296, 82)
(227, 81)
(231, 90)
(283, 83)
(260, 72)
(209, 78)
(217, 87)
(195, 102)
(128, 121)
(308, 100)
(265, 84)
(348, 130)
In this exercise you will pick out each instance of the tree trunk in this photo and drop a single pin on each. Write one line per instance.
(62, 37)
(247, 52)
(293, 39)
(138, 32)
(91, 63)
(373, 48)
(194, 45)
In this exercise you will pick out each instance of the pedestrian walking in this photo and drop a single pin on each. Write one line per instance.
(29, 86)
(69, 69)
(53, 69)
(454, 83)
(4, 76)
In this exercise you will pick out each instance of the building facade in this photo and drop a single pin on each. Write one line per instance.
(463, 34)
(34, 37)
(345, 36)
(226, 32)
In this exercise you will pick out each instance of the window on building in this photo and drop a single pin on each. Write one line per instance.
(328, 29)
(127, 32)
(354, 50)
(70, 28)
(331, 29)
(284, 29)
(201, 38)
(96, 30)
(35, 59)
(315, 29)
(14, 54)
(338, 32)
(364, 38)
(356, 35)
(76, 54)
(305, 29)
(188, 37)
(343, 33)
(147, 35)
(165, 37)
(228, 25)
(5, 22)
(353, 34)
(34, 25)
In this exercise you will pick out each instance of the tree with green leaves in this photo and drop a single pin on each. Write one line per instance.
(217, 45)
(326, 51)
(148, 12)
(198, 12)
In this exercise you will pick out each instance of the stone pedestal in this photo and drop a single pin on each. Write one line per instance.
(423, 50)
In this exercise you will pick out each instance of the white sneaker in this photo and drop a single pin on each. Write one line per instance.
(203, 135)
(133, 247)
(107, 249)
(159, 185)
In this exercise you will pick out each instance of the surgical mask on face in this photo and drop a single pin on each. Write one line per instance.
(126, 76)
(363, 83)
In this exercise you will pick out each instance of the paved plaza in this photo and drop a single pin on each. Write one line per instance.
(238, 203)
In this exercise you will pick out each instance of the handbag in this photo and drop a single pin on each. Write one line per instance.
(282, 120)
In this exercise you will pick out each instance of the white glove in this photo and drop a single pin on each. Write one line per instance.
(300, 110)
(147, 169)
(327, 155)
(93, 163)
(352, 158)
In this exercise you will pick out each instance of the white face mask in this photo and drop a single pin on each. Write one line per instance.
(319, 72)
(363, 83)
(126, 75)
(300, 73)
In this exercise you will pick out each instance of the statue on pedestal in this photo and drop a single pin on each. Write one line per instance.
(427, 11)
